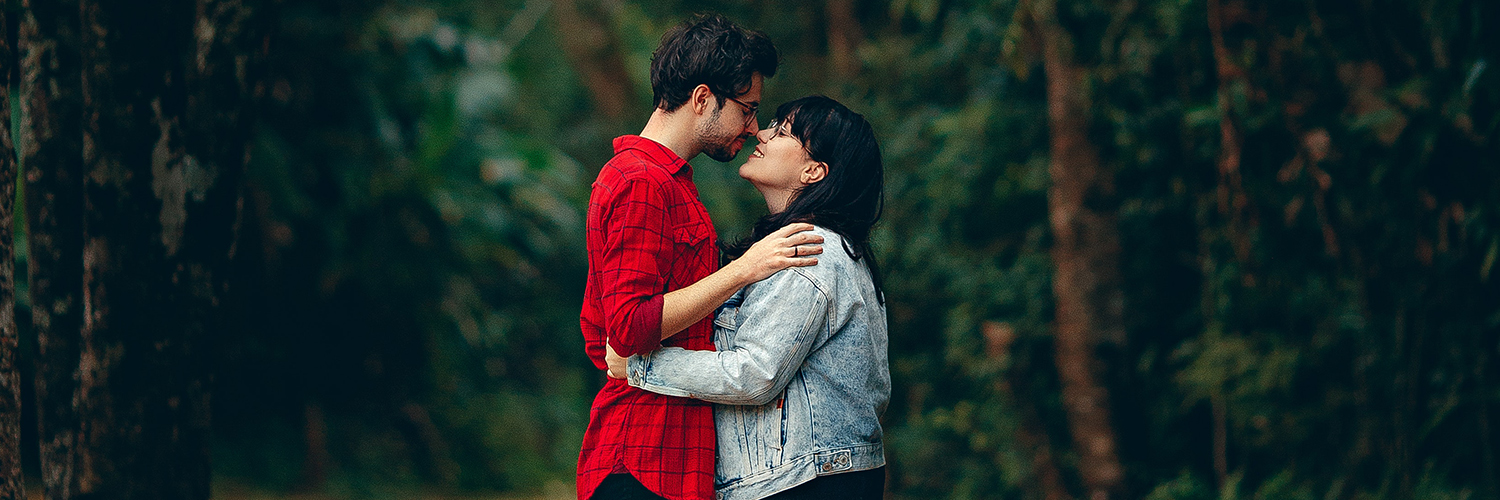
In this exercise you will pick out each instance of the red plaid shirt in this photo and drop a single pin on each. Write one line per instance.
(648, 234)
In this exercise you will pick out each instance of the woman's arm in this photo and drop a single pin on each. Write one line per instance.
(784, 321)
(778, 250)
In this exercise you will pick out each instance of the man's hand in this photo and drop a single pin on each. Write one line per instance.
(616, 363)
(786, 247)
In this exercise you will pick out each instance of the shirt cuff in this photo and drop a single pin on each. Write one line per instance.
(645, 325)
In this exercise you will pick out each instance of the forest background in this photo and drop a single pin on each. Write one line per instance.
(1171, 249)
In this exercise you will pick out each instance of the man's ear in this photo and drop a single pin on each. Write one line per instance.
(699, 99)
(814, 172)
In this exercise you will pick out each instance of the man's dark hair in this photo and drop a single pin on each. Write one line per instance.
(710, 50)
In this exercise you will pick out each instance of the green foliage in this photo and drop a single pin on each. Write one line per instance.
(422, 234)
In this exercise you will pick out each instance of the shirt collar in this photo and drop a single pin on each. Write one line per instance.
(654, 151)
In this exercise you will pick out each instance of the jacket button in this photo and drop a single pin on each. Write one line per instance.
(827, 466)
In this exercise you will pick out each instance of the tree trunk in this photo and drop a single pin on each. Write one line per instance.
(50, 141)
(1231, 191)
(1085, 251)
(844, 35)
(11, 487)
(162, 173)
(1031, 435)
(144, 430)
(594, 51)
(135, 140)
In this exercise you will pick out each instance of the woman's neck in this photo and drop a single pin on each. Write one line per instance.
(777, 199)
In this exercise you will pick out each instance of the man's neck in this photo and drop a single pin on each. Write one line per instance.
(673, 130)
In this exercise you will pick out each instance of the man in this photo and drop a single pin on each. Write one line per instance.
(653, 274)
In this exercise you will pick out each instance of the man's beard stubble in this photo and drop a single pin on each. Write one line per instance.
(720, 148)
(721, 153)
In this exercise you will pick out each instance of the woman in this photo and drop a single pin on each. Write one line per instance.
(800, 372)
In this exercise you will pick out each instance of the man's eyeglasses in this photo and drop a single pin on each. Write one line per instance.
(749, 110)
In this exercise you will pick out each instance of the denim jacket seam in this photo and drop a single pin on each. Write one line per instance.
(805, 335)
(782, 375)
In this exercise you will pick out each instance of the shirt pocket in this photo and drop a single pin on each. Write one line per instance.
(690, 233)
(688, 245)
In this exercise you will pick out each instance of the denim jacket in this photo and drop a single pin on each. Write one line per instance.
(800, 374)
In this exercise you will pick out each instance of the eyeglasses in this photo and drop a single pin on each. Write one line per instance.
(749, 110)
(778, 131)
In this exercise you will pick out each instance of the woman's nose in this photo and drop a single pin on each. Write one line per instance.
(760, 135)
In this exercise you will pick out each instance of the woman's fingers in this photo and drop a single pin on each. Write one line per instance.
(802, 262)
(793, 245)
(803, 250)
(804, 238)
(790, 229)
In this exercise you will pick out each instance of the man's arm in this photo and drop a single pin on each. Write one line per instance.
(633, 260)
(784, 324)
(778, 250)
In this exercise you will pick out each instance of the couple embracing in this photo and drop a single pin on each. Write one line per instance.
(764, 377)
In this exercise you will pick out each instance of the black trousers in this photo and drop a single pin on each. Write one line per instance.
(623, 487)
(862, 485)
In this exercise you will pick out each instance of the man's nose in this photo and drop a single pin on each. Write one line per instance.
(758, 134)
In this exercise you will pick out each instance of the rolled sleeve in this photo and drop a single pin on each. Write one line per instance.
(786, 317)
(636, 255)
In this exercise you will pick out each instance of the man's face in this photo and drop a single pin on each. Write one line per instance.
(723, 134)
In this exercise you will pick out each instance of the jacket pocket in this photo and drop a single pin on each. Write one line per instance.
(782, 403)
(726, 322)
(773, 431)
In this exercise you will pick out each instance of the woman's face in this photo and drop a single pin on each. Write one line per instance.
(780, 166)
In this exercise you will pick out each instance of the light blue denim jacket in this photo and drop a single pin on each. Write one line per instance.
(801, 376)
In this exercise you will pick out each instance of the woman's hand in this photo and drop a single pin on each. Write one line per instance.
(792, 245)
(616, 363)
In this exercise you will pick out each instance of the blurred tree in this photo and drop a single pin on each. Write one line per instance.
(124, 396)
(11, 485)
(843, 34)
(593, 49)
(50, 143)
(1086, 256)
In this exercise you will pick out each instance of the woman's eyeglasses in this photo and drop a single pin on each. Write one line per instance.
(779, 130)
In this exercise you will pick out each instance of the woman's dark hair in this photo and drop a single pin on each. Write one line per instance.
(850, 197)
(710, 50)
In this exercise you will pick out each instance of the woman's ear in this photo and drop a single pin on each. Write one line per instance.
(814, 172)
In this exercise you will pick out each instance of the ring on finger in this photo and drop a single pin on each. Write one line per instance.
(796, 251)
